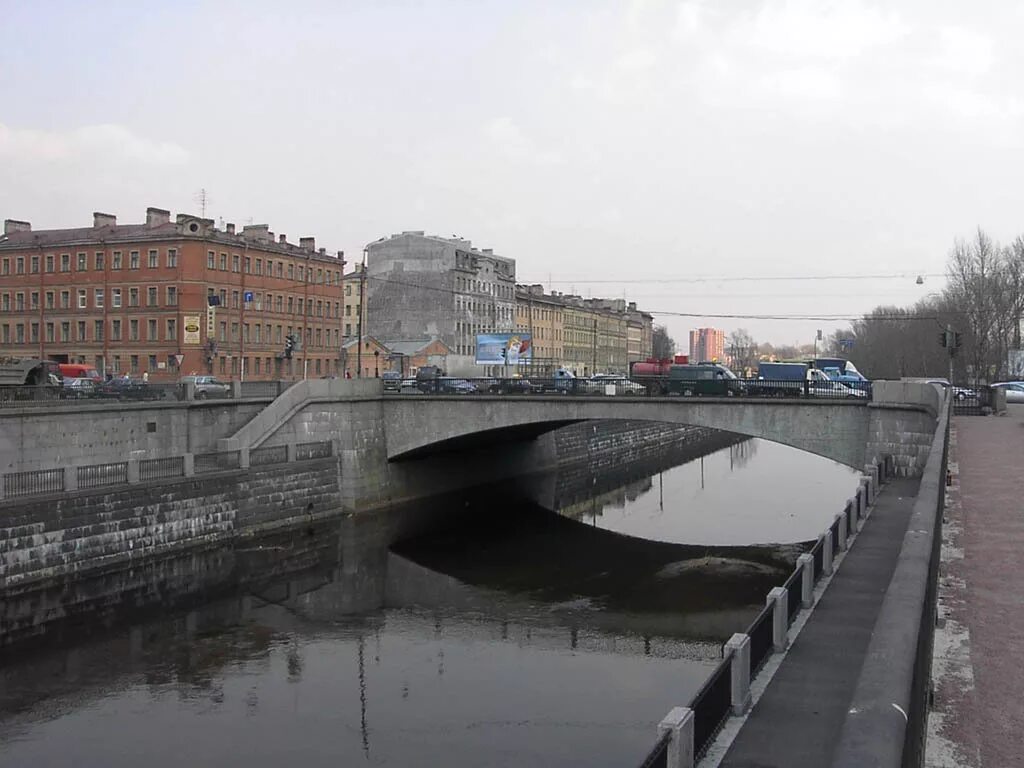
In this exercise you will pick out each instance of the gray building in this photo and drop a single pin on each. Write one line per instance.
(420, 286)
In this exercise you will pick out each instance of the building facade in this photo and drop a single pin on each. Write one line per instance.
(424, 286)
(707, 344)
(172, 297)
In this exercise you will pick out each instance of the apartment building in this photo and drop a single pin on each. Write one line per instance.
(707, 344)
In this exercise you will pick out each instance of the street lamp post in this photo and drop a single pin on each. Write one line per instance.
(359, 319)
(376, 363)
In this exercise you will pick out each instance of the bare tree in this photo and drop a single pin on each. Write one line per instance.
(742, 349)
(662, 345)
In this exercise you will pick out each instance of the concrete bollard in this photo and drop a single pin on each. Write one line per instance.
(133, 470)
(243, 458)
(236, 390)
(70, 478)
(739, 645)
(679, 722)
(841, 529)
(806, 563)
(190, 390)
(188, 464)
(826, 553)
(290, 452)
(780, 622)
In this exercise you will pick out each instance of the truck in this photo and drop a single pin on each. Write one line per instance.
(799, 380)
(653, 372)
(29, 378)
(839, 369)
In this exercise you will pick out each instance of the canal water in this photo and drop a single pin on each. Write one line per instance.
(502, 635)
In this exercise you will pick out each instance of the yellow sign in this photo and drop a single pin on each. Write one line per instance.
(211, 322)
(191, 329)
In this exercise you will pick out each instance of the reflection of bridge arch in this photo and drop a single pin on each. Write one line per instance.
(420, 426)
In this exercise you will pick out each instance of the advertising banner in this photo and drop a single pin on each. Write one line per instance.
(191, 329)
(502, 348)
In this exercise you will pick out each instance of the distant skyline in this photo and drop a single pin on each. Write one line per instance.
(664, 152)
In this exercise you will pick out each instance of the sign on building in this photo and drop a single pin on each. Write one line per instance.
(192, 328)
(503, 348)
(211, 322)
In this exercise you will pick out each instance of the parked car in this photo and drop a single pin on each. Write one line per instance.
(78, 388)
(208, 386)
(392, 381)
(121, 388)
(965, 393)
(410, 386)
(1014, 390)
(703, 379)
(455, 386)
(513, 386)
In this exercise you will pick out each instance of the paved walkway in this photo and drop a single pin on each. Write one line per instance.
(978, 719)
(797, 721)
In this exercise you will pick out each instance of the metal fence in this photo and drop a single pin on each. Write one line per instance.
(269, 454)
(818, 552)
(646, 386)
(658, 756)
(264, 388)
(98, 475)
(216, 462)
(306, 451)
(760, 632)
(711, 706)
(794, 594)
(34, 483)
(119, 391)
(972, 401)
(156, 469)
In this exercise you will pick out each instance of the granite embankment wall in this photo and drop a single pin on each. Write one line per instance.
(53, 537)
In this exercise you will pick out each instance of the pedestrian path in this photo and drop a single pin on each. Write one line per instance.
(798, 719)
(978, 718)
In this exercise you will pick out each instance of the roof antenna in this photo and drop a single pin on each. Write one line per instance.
(202, 198)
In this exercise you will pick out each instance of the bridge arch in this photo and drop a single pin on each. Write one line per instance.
(420, 426)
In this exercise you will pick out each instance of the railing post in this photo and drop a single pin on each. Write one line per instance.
(679, 722)
(853, 504)
(236, 389)
(2, 483)
(70, 478)
(190, 390)
(290, 452)
(133, 470)
(865, 487)
(739, 645)
(806, 563)
(826, 553)
(872, 474)
(188, 464)
(841, 528)
(779, 596)
(243, 457)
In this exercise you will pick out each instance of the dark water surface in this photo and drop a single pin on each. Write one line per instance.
(504, 635)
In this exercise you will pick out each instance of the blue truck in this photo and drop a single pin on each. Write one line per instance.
(800, 380)
(838, 369)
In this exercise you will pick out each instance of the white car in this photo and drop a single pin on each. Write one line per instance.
(1014, 390)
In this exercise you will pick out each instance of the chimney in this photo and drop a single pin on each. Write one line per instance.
(156, 217)
(341, 256)
(13, 225)
(282, 239)
(256, 232)
(229, 228)
(323, 251)
(103, 220)
(307, 243)
(489, 251)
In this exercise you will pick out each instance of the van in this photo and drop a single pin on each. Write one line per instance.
(703, 379)
(79, 371)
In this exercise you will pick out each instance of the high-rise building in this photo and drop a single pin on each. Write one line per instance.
(707, 344)
(170, 297)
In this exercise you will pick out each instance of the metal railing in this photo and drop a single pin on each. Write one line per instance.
(33, 483)
(712, 704)
(265, 388)
(658, 756)
(216, 462)
(646, 386)
(268, 454)
(99, 475)
(972, 401)
(156, 469)
(118, 391)
(306, 451)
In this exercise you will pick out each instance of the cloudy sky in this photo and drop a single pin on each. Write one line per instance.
(663, 151)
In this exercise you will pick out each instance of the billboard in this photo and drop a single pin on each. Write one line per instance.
(502, 348)
(191, 329)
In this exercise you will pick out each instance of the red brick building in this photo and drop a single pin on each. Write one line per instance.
(174, 297)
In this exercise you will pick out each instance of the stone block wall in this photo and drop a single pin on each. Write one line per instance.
(52, 537)
(903, 434)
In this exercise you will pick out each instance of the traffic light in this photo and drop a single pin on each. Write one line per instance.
(943, 340)
(956, 340)
(289, 345)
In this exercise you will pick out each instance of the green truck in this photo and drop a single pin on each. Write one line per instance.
(709, 379)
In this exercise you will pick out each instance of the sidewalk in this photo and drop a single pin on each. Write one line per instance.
(798, 719)
(978, 718)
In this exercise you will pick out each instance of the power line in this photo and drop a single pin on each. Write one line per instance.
(743, 278)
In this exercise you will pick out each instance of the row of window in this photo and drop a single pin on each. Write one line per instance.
(15, 302)
(281, 304)
(254, 366)
(498, 312)
(28, 333)
(255, 333)
(51, 262)
(480, 286)
(255, 265)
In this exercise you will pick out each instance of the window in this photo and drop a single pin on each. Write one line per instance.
(259, 271)
(81, 330)
(6, 334)
(258, 331)
(133, 260)
(82, 303)
(280, 269)
(235, 262)
(319, 309)
(151, 296)
(277, 334)
(5, 302)
(133, 330)
(49, 262)
(33, 300)
(301, 303)
(133, 363)
(291, 271)
(172, 330)
(82, 259)
(49, 333)
(115, 298)
(97, 300)
(19, 333)
(133, 297)
(115, 330)
(318, 338)
(172, 296)
(34, 337)
(65, 262)
(280, 302)
(245, 333)
(99, 261)
(19, 302)
(6, 267)
(116, 364)
(115, 260)
(248, 265)
(34, 265)
(234, 299)
(49, 299)
(154, 259)
(223, 332)
(224, 262)
(152, 363)
(210, 260)
(320, 276)
(151, 334)
(19, 265)
(291, 305)
(223, 366)
(256, 368)
(234, 331)
(348, 310)
(223, 298)
(348, 290)
(172, 258)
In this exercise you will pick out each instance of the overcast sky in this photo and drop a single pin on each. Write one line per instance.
(640, 144)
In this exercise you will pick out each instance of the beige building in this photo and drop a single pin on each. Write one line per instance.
(543, 317)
